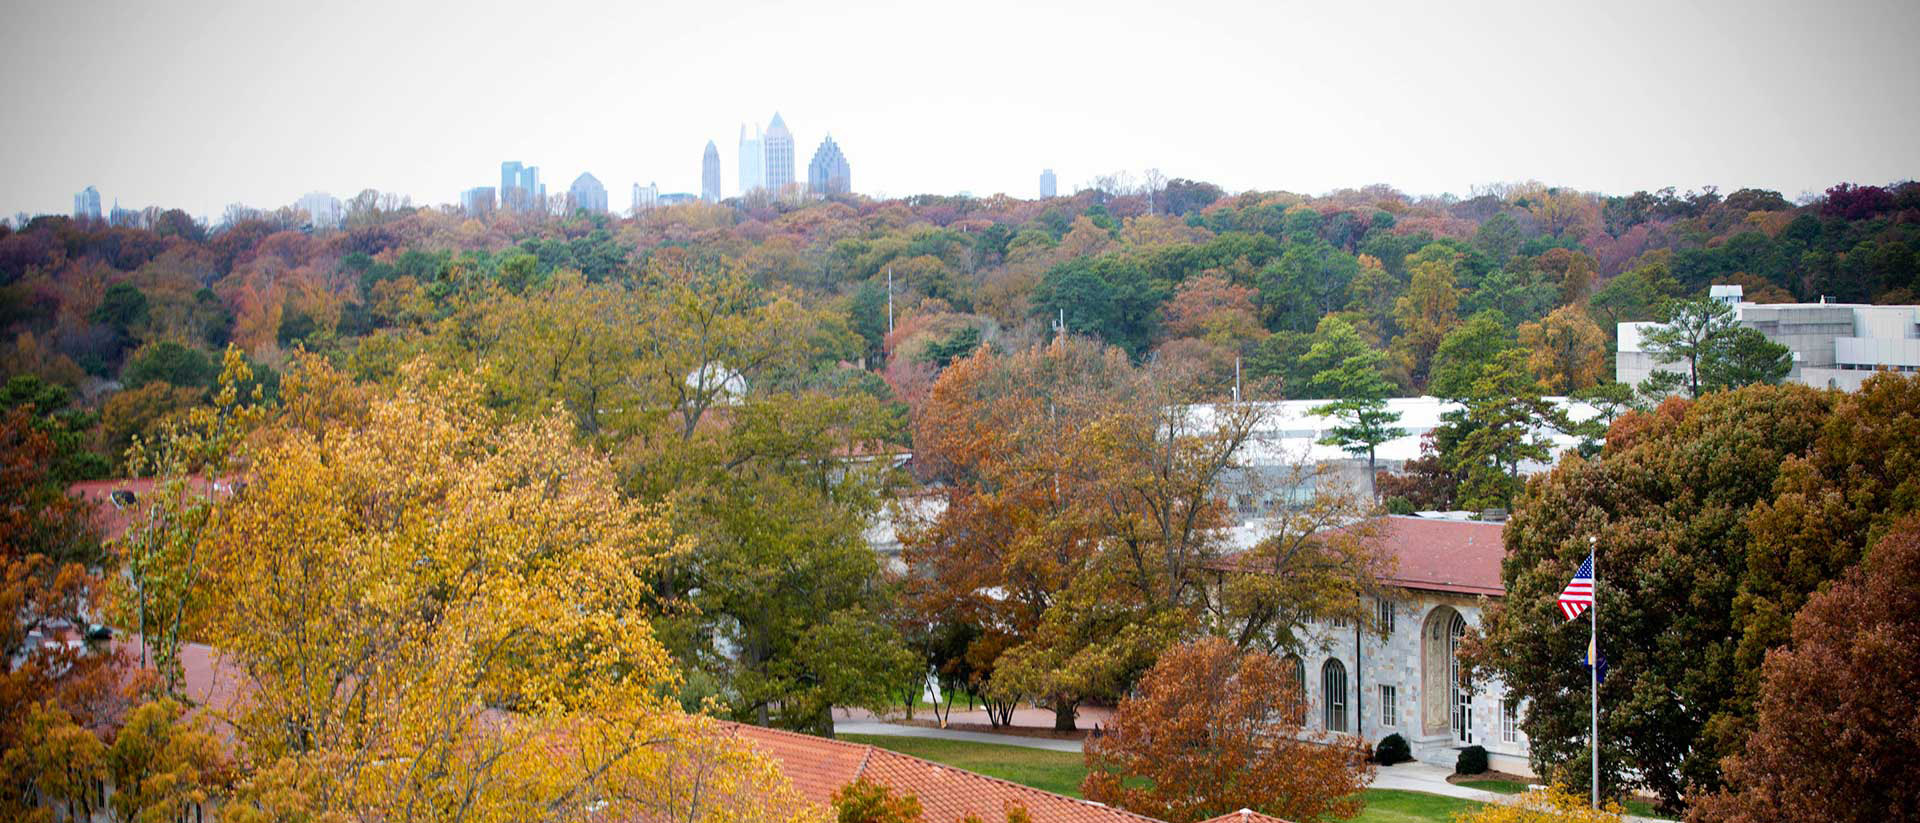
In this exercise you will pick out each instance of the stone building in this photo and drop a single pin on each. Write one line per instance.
(1406, 678)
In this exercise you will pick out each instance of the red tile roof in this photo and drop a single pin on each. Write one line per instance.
(1430, 554)
(818, 767)
(1460, 556)
(113, 517)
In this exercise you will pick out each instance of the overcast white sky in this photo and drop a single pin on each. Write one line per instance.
(200, 104)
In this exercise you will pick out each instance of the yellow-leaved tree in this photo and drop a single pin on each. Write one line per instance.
(439, 617)
(1552, 804)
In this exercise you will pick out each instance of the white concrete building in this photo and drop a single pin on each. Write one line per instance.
(1834, 345)
(1289, 434)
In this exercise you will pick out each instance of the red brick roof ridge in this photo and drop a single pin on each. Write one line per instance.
(871, 750)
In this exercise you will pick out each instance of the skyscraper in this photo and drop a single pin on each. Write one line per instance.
(520, 188)
(533, 193)
(510, 185)
(647, 196)
(477, 201)
(710, 174)
(86, 204)
(753, 162)
(1047, 187)
(778, 147)
(324, 211)
(829, 173)
(587, 194)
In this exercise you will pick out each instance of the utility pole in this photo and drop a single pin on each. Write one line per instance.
(889, 299)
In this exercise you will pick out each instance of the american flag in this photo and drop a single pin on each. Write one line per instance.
(1578, 595)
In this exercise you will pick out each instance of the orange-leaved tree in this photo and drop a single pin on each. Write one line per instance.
(1212, 731)
(1834, 733)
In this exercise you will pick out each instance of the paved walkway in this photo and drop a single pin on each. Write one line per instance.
(1414, 776)
(899, 730)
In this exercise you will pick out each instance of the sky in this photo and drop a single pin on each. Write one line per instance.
(197, 105)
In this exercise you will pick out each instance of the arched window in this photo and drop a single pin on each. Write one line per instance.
(1461, 691)
(1333, 685)
(1297, 711)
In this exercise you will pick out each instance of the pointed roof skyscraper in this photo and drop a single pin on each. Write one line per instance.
(710, 174)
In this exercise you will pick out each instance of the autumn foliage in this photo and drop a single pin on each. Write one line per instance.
(1213, 730)
(1834, 737)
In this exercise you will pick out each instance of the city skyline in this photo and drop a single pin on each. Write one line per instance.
(1713, 94)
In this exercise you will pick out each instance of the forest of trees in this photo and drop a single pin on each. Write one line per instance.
(714, 399)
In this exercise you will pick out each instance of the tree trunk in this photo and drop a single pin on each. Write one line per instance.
(1063, 714)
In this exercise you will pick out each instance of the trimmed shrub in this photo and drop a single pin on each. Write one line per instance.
(1392, 749)
(1473, 760)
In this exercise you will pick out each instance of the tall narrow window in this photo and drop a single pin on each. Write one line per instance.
(1386, 616)
(1510, 720)
(1462, 690)
(1389, 706)
(1333, 685)
(1297, 712)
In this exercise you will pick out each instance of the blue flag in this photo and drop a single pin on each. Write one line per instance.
(1588, 660)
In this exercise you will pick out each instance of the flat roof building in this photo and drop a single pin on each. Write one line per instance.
(1834, 345)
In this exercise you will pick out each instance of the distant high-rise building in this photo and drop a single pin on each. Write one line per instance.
(778, 147)
(753, 161)
(510, 184)
(324, 211)
(829, 173)
(587, 193)
(129, 218)
(477, 201)
(533, 192)
(710, 174)
(521, 189)
(648, 196)
(1047, 185)
(86, 204)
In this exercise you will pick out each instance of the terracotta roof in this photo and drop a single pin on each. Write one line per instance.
(1244, 816)
(1460, 556)
(115, 516)
(1430, 554)
(818, 767)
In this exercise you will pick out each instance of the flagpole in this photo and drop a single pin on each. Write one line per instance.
(1593, 667)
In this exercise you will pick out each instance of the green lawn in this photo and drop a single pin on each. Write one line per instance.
(1396, 806)
(1061, 772)
(1058, 772)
